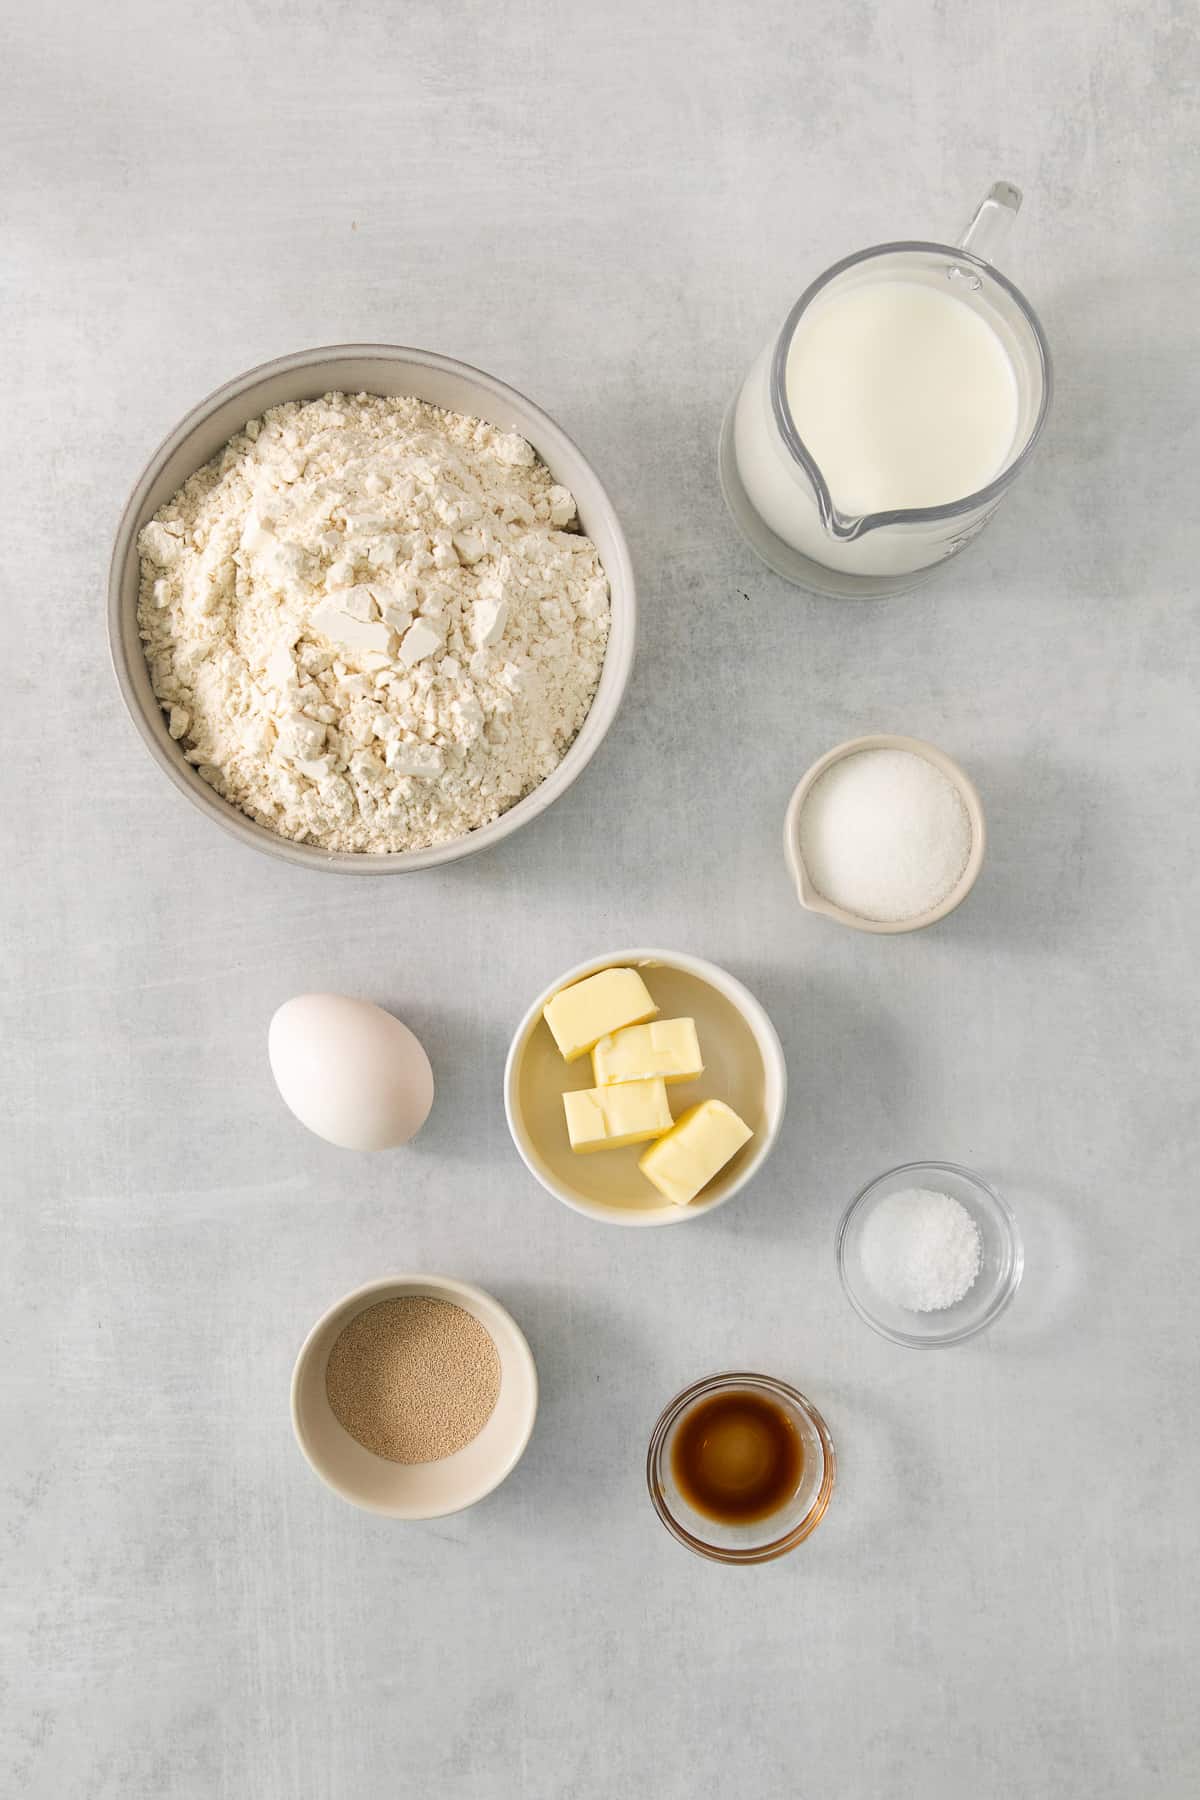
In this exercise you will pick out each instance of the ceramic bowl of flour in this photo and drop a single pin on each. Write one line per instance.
(390, 371)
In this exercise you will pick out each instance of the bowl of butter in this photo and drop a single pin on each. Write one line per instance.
(645, 1087)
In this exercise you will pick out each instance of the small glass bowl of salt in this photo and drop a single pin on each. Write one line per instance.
(929, 1253)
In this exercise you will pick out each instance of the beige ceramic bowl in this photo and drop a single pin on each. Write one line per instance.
(415, 1490)
(969, 794)
(374, 369)
(744, 1066)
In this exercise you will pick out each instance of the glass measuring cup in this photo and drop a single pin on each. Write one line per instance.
(776, 492)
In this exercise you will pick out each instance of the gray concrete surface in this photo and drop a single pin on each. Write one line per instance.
(609, 207)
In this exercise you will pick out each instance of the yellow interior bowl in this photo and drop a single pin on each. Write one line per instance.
(743, 1065)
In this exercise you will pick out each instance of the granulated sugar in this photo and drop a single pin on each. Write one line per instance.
(413, 1379)
(884, 835)
(920, 1250)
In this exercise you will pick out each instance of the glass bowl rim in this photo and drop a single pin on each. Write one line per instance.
(1003, 1295)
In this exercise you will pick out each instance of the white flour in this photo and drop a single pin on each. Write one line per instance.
(367, 623)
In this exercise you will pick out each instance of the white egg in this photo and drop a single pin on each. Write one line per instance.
(350, 1071)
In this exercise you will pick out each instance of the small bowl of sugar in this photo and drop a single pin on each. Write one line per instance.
(885, 834)
(929, 1253)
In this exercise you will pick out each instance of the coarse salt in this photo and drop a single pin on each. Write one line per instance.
(920, 1250)
(884, 834)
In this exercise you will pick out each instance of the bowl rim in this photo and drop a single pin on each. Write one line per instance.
(437, 1287)
(765, 1036)
(816, 902)
(1003, 1295)
(619, 655)
(803, 1529)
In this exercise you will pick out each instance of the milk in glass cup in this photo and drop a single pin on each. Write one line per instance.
(875, 436)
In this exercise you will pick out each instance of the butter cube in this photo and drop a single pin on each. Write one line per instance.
(666, 1047)
(610, 1118)
(581, 1015)
(701, 1142)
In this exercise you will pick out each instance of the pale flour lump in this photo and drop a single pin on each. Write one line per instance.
(369, 624)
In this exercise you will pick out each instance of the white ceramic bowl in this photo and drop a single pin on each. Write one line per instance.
(815, 901)
(374, 369)
(744, 1066)
(415, 1490)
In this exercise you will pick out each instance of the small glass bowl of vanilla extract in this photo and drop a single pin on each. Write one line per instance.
(741, 1468)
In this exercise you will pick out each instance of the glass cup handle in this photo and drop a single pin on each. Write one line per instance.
(985, 235)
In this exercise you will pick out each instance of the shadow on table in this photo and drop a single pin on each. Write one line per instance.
(849, 1063)
(587, 1451)
(1055, 1285)
(888, 1471)
(1050, 871)
(467, 1049)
